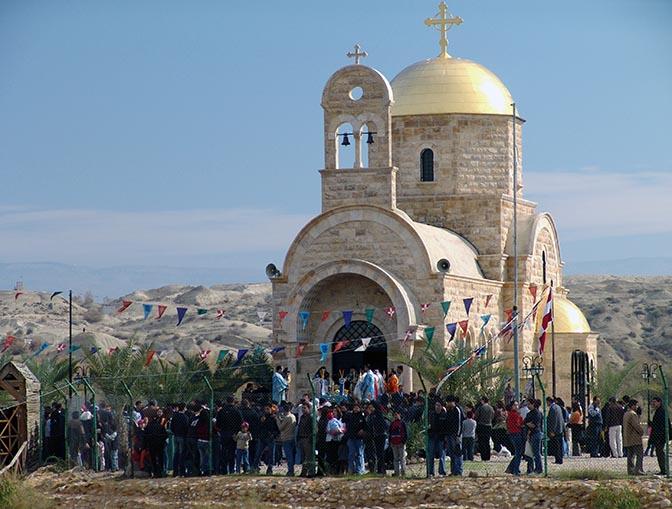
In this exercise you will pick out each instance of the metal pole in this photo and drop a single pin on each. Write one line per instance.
(545, 435)
(667, 421)
(212, 408)
(516, 346)
(130, 428)
(555, 387)
(70, 347)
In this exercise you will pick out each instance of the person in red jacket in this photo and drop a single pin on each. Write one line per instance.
(398, 439)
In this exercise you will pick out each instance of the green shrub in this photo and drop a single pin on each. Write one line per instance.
(615, 498)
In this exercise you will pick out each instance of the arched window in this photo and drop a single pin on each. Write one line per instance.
(427, 165)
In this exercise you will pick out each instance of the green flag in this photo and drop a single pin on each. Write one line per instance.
(369, 315)
(446, 306)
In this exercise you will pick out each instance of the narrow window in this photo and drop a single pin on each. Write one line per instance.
(427, 165)
(543, 267)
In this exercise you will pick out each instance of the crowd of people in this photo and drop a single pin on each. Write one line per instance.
(363, 426)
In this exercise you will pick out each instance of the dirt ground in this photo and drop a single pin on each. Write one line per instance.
(85, 489)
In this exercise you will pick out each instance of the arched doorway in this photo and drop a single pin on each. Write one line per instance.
(347, 357)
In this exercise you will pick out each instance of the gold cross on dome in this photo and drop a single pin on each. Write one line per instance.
(443, 21)
(357, 54)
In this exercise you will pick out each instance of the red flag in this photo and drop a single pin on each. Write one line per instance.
(111, 350)
(407, 336)
(204, 355)
(220, 313)
(124, 305)
(463, 325)
(509, 314)
(533, 291)
(325, 315)
(299, 349)
(8, 341)
(487, 300)
(282, 315)
(390, 312)
(161, 310)
(60, 347)
(340, 344)
(545, 321)
(150, 354)
(16, 296)
(424, 307)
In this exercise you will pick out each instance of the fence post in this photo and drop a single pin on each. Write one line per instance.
(425, 425)
(212, 409)
(545, 417)
(313, 464)
(667, 421)
(130, 427)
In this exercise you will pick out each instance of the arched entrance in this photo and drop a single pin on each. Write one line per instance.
(347, 357)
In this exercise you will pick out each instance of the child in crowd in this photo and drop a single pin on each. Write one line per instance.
(468, 437)
(242, 439)
(398, 438)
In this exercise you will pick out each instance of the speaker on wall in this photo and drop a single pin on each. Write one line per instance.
(443, 265)
(272, 271)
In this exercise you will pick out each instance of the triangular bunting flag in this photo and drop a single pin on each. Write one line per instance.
(147, 308)
(445, 306)
(347, 317)
(282, 315)
(163, 354)
(161, 310)
(299, 349)
(93, 350)
(150, 354)
(277, 349)
(220, 313)
(324, 348)
(429, 334)
(60, 347)
(509, 314)
(487, 300)
(452, 328)
(240, 355)
(463, 325)
(27, 341)
(204, 355)
(262, 315)
(8, 342)
(180, 315)
(201, 311)
(325, 315)
(112, 350)
(16, 295)
(424, 307)
(467, 304)
(533, 291)
(221, 355)
(74, 348)
(41, 349)
(407, 336)
(390, 312)
(369, 315)
(340, 344)
(124, 305)
(365, 345)
(486, 319)
(304, 318)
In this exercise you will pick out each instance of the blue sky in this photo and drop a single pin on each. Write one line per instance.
(189, 134)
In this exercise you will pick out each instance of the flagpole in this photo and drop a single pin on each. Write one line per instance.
(553, 344)
(516, 346)
(70, 348)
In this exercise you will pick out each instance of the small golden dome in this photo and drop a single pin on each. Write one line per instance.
(449, 85)
(567, 317)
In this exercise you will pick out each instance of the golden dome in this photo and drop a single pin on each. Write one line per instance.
(449, 85)
(567, 317)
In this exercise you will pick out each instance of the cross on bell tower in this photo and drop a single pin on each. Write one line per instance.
(357, 54)
(443, 21)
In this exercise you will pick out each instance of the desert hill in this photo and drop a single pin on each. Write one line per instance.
(632, 314)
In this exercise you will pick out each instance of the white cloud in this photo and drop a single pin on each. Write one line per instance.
(96, 237)
(594, 203)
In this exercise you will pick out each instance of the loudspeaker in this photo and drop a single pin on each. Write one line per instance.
(443, 265)
(272, 271)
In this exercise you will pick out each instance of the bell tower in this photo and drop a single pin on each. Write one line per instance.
(357, 104)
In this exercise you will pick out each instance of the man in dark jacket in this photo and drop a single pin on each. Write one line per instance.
(179, 425)
(454, 435)
(657, 438)
(155, 442)
(268, 432)
(438, 430)
(355, 425)
(229, 420)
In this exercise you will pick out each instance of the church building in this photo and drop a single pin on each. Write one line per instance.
(422, 177)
